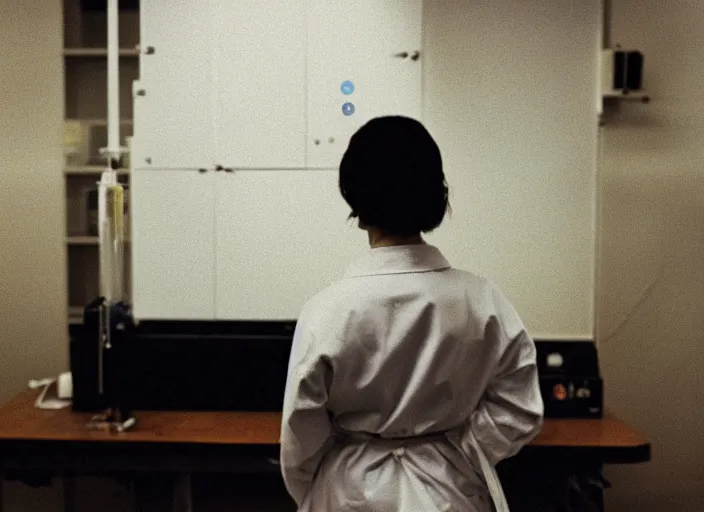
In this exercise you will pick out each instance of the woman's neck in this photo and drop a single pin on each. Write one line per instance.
(378, 238)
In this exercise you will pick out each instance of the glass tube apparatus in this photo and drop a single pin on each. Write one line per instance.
(111, 213)
(111, 229)
(112, 312)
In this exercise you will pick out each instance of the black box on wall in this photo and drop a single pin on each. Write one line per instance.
(570, 381)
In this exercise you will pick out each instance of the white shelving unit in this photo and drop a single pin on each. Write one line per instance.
(85, 70)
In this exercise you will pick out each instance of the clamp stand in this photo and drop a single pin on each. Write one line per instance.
(114, 327)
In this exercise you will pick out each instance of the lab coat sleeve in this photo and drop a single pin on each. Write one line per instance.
(306, 430)
(510, 413)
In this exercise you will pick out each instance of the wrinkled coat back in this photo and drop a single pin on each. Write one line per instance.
(400, 373)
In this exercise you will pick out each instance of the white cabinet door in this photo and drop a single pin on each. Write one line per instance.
(173, 244)
(174, 126)
(359, 45)
(260, 83)
(282, 236)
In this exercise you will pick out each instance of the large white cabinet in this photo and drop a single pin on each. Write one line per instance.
(173, 244)
(260, 83)
(173, 103)
(242, 113)
(282, 236)
(258, 88)
(375, 46)
(280, 84)
(243, 245)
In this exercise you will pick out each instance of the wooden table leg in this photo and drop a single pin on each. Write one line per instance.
(2, 490)
(136, 500)
(183, 499)
(68, 482)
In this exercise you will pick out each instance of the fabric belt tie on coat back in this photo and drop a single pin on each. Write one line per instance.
(394, 443)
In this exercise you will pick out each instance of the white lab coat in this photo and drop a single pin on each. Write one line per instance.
(408, 382)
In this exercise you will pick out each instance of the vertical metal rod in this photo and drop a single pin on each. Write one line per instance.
(113, 81)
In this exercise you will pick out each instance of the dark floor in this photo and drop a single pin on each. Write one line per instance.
(210, 494)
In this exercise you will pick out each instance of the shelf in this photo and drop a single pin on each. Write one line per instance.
(99, 6)
(90, 170)
(98, 52)
(82, 240)
(96, 122)
(627, 96)
(87, 240)
(84, 57)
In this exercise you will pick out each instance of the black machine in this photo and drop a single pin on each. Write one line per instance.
(221, 366)
(186, 366)
(570, 383)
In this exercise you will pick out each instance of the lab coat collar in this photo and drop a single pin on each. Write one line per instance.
(400, 259)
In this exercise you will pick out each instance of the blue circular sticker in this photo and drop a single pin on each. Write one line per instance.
(347, 87)
(348, 109)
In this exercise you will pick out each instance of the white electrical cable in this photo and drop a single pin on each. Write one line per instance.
(42, 402)
(36, 384)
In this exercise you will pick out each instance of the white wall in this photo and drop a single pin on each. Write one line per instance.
(651, 290)
(32, 276)
(510, 92)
